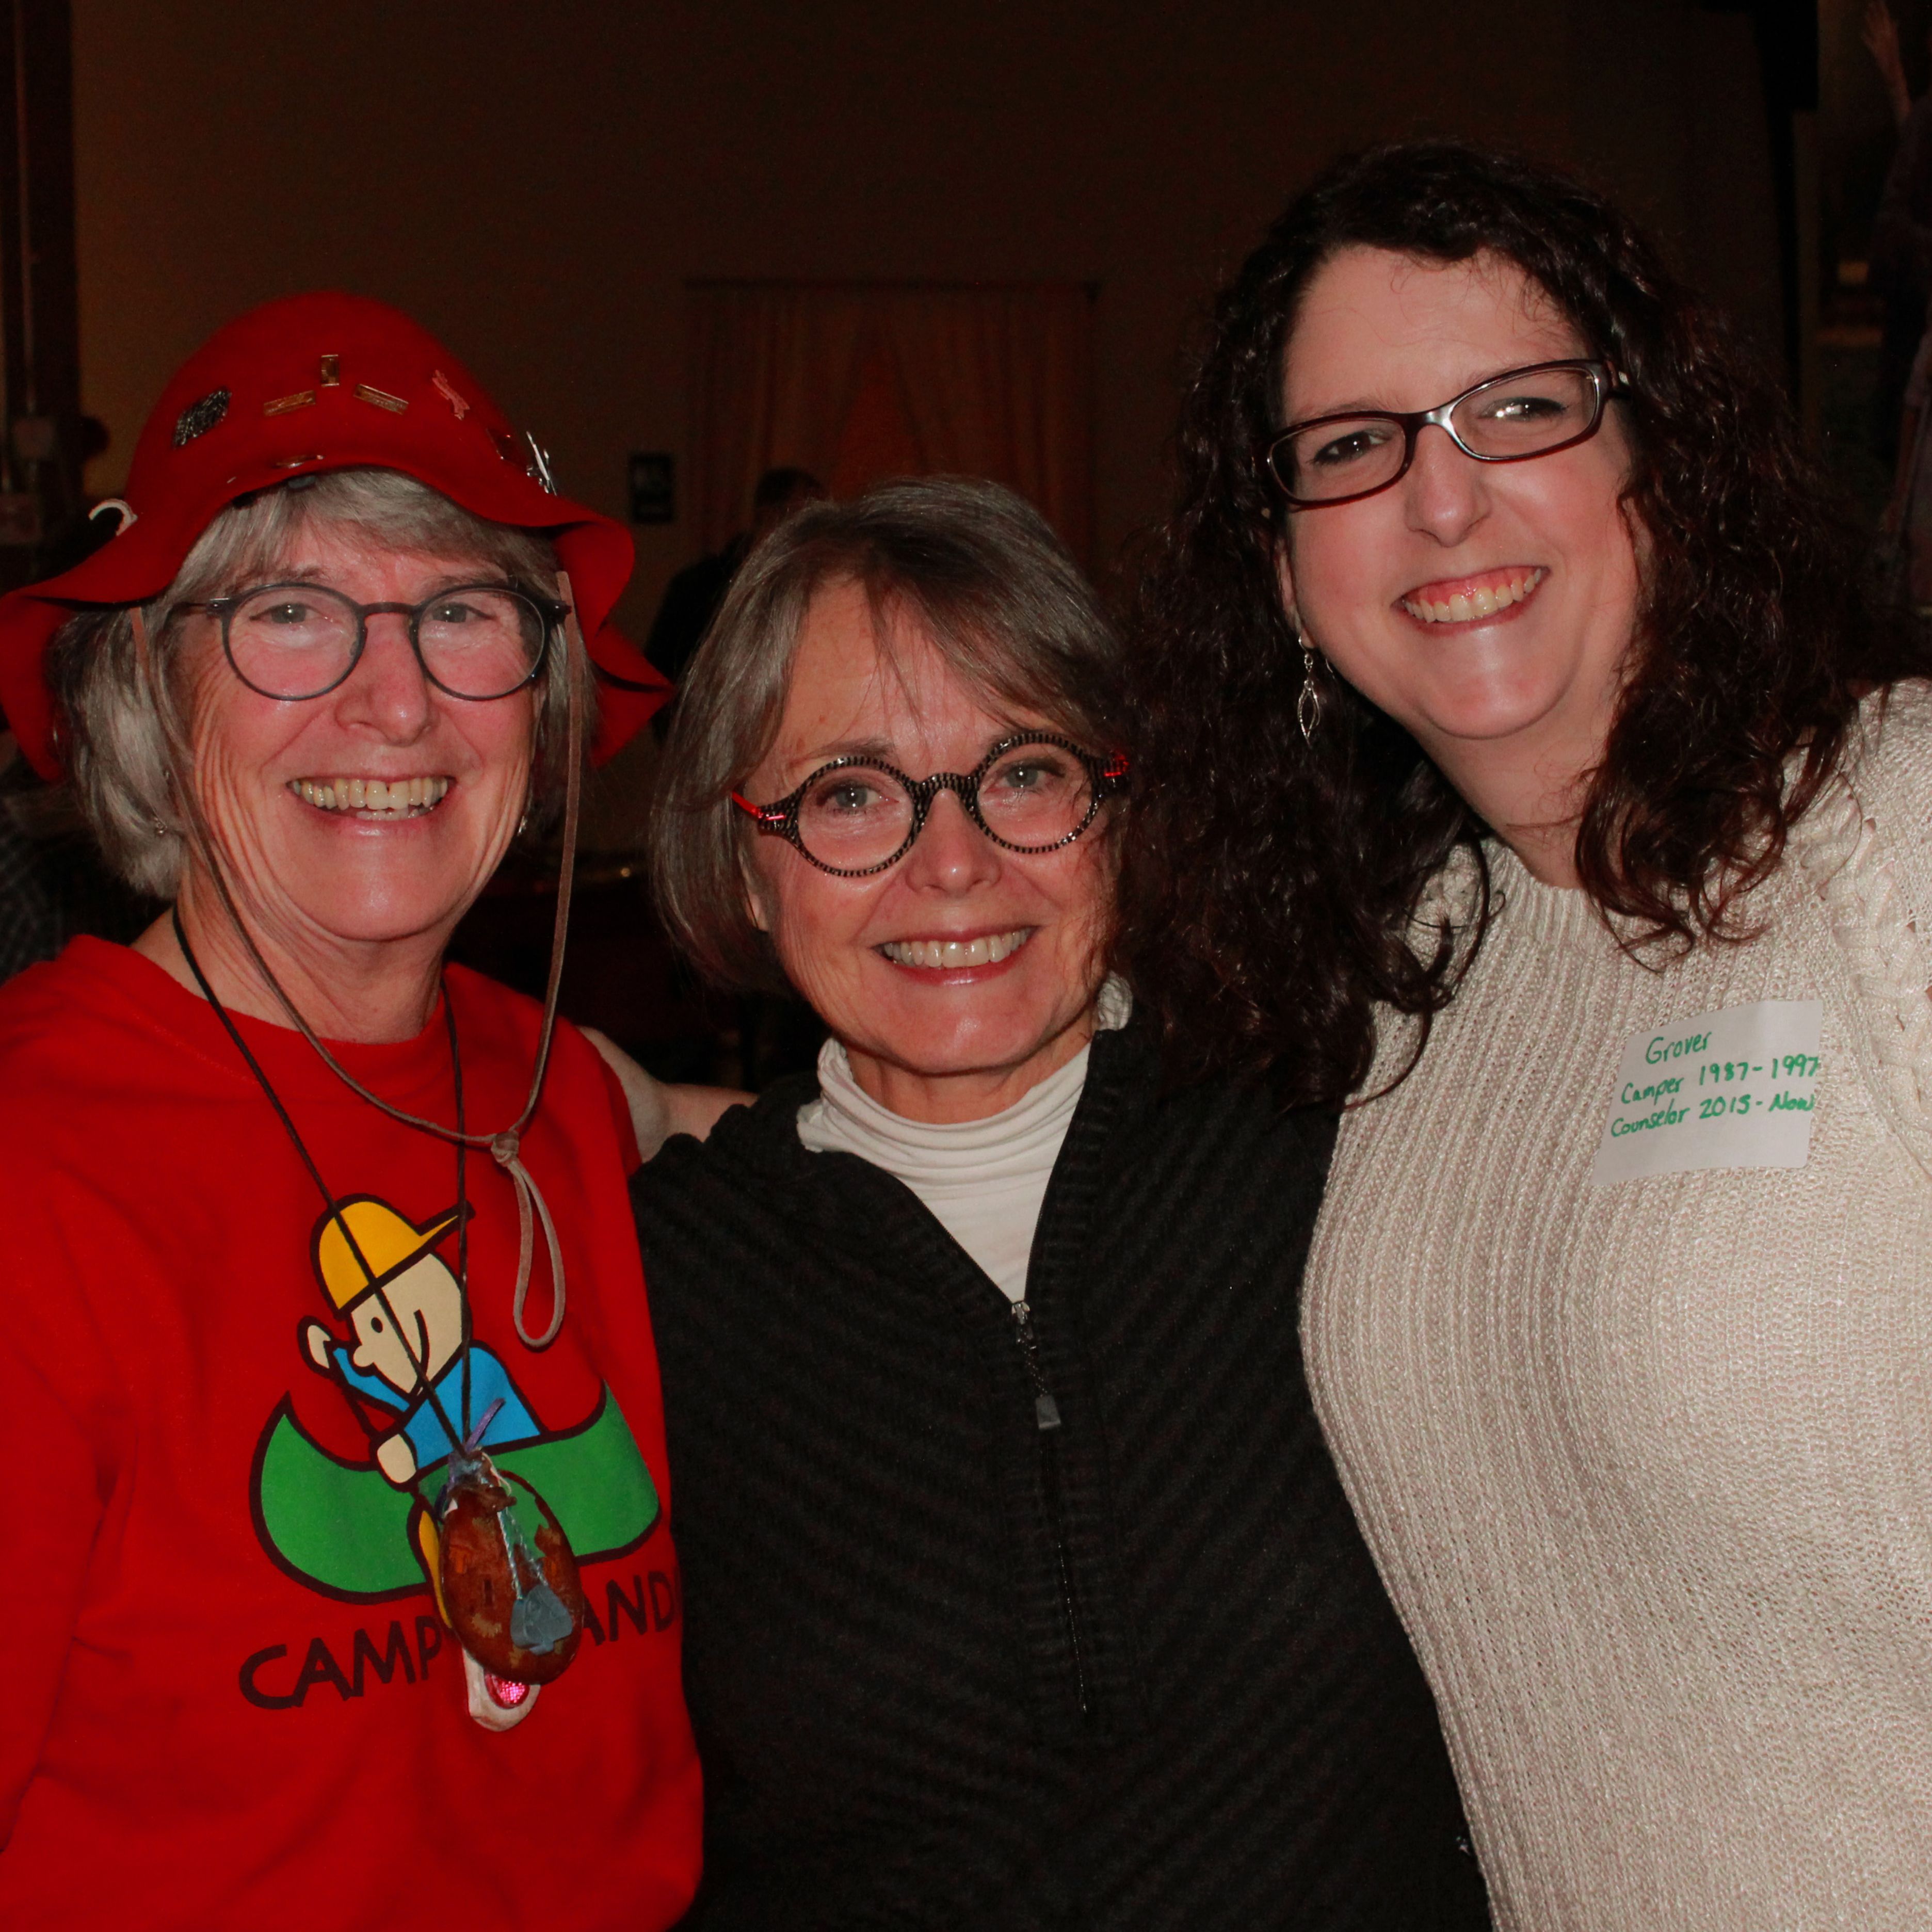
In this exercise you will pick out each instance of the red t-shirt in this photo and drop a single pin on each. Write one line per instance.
(229, 1699)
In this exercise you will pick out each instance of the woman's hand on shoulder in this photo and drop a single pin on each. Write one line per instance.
(659, 1110)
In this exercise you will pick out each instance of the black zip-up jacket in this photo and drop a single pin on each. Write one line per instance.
(1047, 1617)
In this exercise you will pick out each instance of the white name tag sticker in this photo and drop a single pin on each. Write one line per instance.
(1733, 1088)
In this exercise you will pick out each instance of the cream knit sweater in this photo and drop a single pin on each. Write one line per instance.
(1647, 1467)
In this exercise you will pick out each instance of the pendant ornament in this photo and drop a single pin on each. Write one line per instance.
(1308, 703)
(509, 1578)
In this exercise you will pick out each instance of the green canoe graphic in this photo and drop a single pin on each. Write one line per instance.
(343, 1529)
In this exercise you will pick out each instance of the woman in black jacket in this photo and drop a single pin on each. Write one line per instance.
(1020, 1591)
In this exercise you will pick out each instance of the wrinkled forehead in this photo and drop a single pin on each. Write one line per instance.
(1377, 329)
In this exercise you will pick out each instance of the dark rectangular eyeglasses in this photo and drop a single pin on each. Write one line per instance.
(1511, 417)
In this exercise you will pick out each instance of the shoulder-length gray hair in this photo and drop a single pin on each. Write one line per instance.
(990, 586)
(113, 741)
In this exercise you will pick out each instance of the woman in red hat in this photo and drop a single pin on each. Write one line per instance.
(327, 1386)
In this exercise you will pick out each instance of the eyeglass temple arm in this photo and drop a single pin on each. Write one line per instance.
(773, 821)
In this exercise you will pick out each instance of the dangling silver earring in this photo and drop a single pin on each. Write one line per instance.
(1308, 703)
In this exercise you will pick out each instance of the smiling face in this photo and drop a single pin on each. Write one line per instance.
(377, 812)
(1487, 608)
(963, 974)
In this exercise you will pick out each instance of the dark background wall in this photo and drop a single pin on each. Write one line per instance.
(538, 183)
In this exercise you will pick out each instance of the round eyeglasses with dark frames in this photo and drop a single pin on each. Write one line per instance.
(1511, 418)
(855, 816)
(474, 641)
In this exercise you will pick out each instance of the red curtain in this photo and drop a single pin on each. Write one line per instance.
(857, 383)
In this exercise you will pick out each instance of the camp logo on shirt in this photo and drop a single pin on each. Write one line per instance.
(364, 1532)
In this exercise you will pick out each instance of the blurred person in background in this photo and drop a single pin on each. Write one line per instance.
(29, 925)
(1020, 1590)
(52, 883)
(1904, 408)
(1900, 273)
(775, 1034)
(1523, 773)
(1907, 518)
(691, 598)
(1879, 32)
(306, 1423)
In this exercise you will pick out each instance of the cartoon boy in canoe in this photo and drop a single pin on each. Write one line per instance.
(409, 1359)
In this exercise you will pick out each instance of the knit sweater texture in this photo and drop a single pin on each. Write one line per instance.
(1647, 1466)
(902, 1723)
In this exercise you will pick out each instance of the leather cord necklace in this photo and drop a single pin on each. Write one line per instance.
(423, 1385)
(499, 1559)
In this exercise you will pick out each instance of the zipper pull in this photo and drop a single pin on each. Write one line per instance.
(1045, 1410)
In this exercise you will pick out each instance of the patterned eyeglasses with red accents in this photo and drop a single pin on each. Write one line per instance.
(1034, 792)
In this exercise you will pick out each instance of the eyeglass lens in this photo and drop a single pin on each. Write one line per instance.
(299, 640)
(1034, 796)
(1515, 415)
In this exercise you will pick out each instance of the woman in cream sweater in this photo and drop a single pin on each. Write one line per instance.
(1520, 763)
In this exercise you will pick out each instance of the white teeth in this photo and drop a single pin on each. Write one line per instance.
(1485, 602)
(987, 950)
(373, 798)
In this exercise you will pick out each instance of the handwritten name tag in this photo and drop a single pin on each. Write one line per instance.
(1733, 1088)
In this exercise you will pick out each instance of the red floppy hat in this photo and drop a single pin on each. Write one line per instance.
(311, 383)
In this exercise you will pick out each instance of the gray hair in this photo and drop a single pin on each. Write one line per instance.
(114, 740)
(993, 588)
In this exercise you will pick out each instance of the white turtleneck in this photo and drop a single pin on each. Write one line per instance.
(982, 1180)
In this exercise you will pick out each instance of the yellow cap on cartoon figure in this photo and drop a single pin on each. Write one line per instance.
(386, 1241)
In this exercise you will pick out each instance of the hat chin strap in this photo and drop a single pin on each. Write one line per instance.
(504, 1146)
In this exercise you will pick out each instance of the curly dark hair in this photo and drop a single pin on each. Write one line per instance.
(1271, 885)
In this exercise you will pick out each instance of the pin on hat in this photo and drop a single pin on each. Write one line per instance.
(297, 388)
